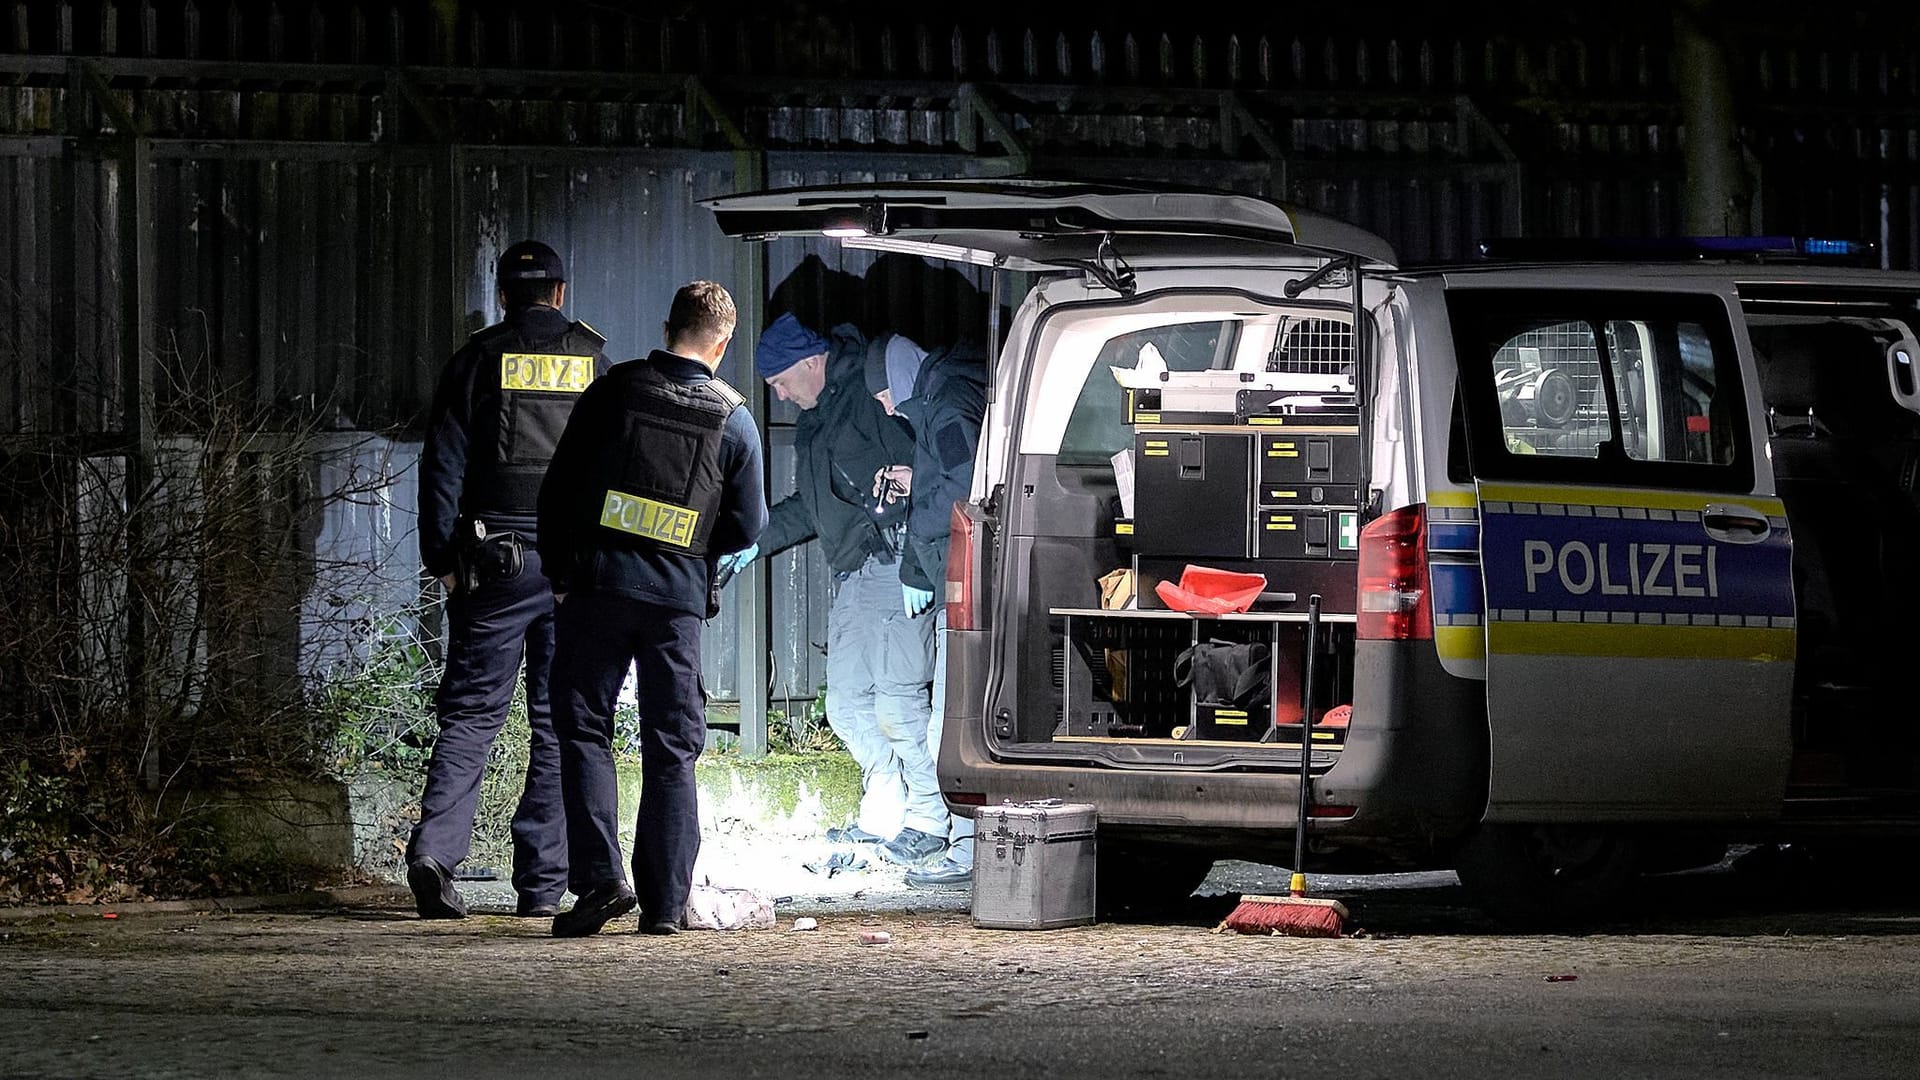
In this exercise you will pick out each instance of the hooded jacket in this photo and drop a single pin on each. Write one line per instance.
(948, 405)
(838, 445)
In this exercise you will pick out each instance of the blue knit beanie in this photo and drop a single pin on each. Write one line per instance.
(784, 344)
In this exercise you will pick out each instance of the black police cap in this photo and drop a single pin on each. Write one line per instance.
(529, 260)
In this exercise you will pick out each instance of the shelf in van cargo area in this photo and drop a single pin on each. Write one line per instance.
(1157, 677)
(1238, 616)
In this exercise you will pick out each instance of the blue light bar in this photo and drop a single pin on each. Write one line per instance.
(1676, 249)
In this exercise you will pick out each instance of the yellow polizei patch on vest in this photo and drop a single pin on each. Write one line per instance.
(664, 522)
(545, 371)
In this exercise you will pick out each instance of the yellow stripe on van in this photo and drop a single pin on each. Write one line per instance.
(1763, 644)
(546, 372)
(1455, 499)
(1460, 642)
(1640, 497)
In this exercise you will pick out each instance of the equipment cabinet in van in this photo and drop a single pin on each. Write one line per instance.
(1607, 547)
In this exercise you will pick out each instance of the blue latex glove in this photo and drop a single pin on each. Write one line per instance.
(916, 601)
(734, 562)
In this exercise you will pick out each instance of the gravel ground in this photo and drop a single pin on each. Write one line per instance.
(1721, 977)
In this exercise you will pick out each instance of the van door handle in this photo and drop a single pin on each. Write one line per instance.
(1735, 524)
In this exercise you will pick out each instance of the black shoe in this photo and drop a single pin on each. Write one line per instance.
(659, 926)
(913, 848)
(852, 834)
(591, 912)
(945, 874)
(433, 893)
(536, 909)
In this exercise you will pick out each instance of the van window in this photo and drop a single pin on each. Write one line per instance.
(1623, 383)
(1097, 428)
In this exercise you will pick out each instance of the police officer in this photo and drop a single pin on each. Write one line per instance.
(879, 658)
(942, 396)
(658, 474)
(502, 403)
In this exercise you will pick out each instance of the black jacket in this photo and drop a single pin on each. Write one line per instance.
(465, 408)
(948, 405)
(838, 445)
(577, 558)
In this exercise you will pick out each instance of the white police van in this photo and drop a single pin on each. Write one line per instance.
(1607, 550)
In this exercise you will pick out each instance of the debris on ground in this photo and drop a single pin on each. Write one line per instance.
(805, 923)
(875, 937)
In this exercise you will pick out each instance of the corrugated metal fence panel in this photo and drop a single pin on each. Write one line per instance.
(299, 286)
(26, 294)
(630, 232)
(60, 296)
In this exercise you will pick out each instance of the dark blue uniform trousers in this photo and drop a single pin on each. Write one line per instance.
(489, 632)
(599, 636)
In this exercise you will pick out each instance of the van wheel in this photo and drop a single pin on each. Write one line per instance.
(1548, 876)
(1139, 880)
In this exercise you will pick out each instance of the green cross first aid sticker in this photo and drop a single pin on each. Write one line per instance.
(664, 522)
(1349, 531)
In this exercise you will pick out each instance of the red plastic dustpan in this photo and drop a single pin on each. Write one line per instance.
(1209, 591)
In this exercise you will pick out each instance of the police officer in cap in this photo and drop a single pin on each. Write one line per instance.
(501, 406)
(658, 475)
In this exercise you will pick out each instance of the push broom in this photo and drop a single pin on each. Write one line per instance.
(1297, 914)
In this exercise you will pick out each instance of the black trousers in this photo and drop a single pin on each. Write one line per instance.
(490, 632)
(598, 637)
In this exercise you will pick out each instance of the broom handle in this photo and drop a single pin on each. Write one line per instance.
(1299, 883)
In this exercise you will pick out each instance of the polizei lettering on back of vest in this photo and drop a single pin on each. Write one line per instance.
(660, 521)
(536, 397)
(663, 484)
(547, 372)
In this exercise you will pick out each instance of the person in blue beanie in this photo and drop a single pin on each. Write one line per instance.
(879, 658)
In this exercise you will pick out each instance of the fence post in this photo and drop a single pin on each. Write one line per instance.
(751, 596)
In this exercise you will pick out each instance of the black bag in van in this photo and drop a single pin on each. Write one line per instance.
(1231, 673)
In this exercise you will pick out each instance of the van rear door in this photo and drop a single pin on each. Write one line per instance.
(1638, 587)
(1040, 224)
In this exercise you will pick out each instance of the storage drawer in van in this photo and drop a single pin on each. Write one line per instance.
(1301, 456)
(1190, 493)
(1306, 532)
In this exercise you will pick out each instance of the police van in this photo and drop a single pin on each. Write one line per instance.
(1601, 550)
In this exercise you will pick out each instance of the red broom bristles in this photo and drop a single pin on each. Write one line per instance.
(1292, 916)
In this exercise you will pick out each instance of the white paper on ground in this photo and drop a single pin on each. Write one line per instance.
(711, 907)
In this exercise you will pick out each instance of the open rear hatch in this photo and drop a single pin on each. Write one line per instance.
(1073, 682)
(1042, 224)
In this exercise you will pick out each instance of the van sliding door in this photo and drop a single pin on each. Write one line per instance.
(1639, 607)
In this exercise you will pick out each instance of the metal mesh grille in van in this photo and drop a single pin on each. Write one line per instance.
(1569, 349)
(1313, 347)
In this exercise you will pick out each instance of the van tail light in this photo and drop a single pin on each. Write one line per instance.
(1393, 577)
(963, 547)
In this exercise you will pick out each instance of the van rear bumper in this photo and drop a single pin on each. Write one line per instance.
(1414, 767)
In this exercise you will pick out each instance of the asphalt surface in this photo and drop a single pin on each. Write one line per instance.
(1716, 974)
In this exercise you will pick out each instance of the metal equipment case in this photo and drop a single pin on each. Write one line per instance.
(1033, 865)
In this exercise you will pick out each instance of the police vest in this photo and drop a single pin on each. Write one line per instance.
(662, 482)
(537, 389)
